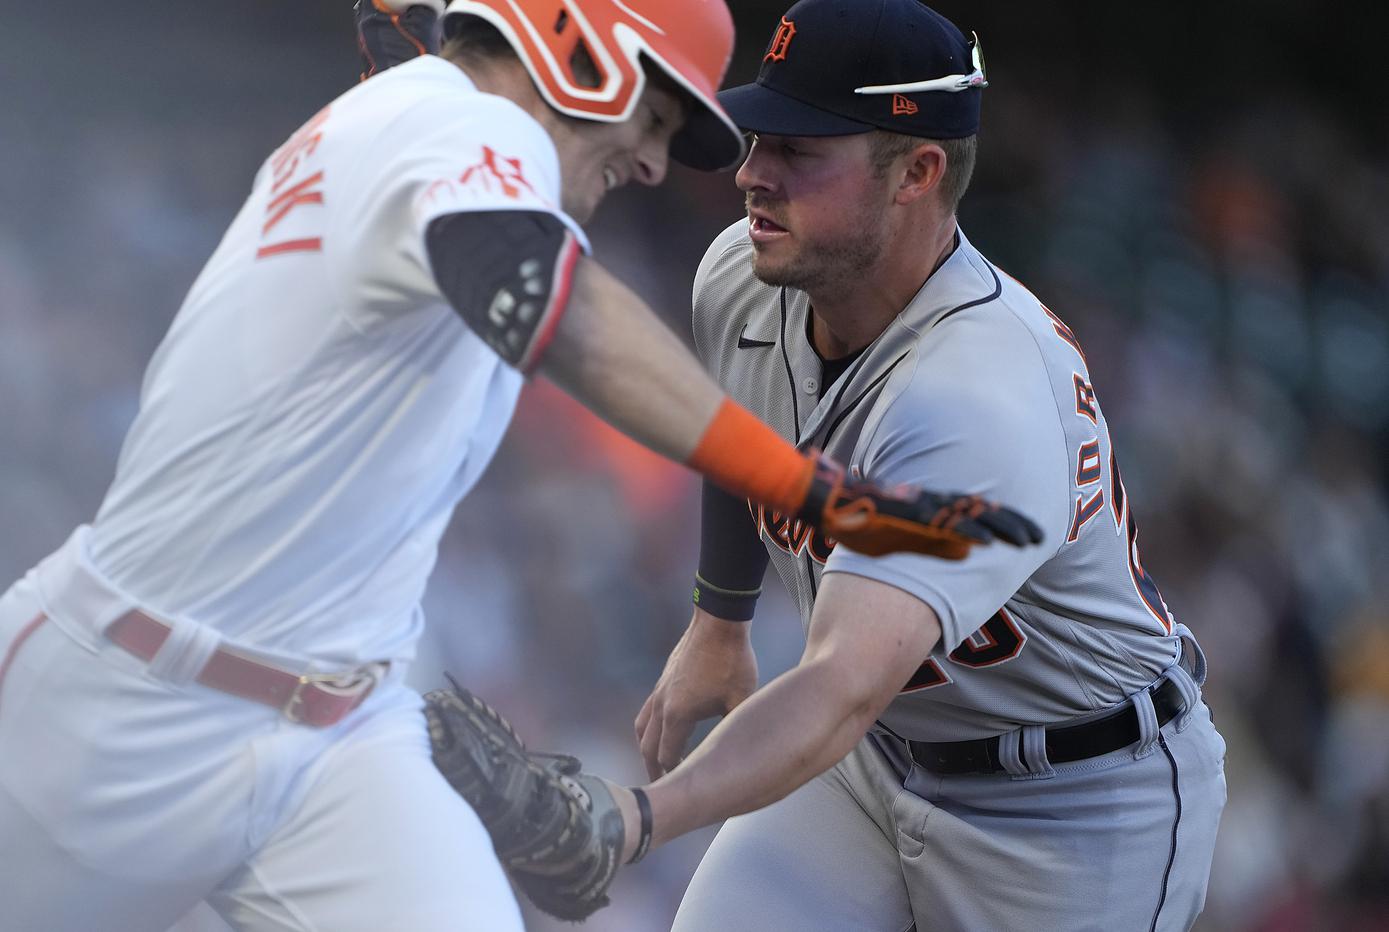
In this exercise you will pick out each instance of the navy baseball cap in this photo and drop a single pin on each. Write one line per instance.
(840, 67)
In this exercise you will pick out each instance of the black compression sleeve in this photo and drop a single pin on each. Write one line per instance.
(507, 273)
(732, 558)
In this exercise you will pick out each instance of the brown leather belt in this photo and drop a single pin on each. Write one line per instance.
(1064, 744)
(316, 699)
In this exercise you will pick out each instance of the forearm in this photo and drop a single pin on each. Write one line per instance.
(604, 346)
(614, 355)
(865, 640)
(794, 728)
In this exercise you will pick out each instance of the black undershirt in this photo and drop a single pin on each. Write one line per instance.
(830, 369)
(732, 557)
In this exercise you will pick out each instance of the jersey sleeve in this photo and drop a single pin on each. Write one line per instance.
(714, 283)
(978, 419)
(440, 158)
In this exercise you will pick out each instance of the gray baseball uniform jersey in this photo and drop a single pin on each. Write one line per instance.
(975, 387)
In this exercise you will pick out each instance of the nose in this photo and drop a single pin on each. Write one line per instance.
(653, 159)
(753, 174)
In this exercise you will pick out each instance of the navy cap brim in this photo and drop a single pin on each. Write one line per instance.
(708, 143)
(757, 108)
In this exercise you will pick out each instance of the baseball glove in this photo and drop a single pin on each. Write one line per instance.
(556, 830)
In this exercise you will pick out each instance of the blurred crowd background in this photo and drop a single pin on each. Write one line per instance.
(1200, 190)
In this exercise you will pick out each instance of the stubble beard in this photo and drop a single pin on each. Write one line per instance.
(825, 265)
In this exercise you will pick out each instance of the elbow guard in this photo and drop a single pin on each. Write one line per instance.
(508, 274)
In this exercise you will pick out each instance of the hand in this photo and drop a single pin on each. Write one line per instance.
(393, 31)
(711, 670)
(870, 519)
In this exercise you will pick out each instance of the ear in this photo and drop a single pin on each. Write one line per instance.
(924, 169)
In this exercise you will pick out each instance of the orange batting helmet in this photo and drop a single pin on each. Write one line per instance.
(690, 40)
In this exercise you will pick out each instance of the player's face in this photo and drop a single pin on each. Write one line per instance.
(814, 210)
(596, 158)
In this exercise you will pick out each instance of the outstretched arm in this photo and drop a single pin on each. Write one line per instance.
(611, 352)
(563, 833)
(518, 280)
(866, 639)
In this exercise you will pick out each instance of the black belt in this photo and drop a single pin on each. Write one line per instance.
(1064, 743)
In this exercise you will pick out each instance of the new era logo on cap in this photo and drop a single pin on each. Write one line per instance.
(863, 64)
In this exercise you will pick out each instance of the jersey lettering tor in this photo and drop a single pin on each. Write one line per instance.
(978, 388)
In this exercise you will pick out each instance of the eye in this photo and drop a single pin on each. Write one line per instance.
(782, 145)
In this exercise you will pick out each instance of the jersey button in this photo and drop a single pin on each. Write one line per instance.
(811, 386)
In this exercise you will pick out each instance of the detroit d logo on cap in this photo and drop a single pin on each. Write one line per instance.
(781, 41)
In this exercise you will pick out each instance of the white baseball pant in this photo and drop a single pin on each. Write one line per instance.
(126, 798)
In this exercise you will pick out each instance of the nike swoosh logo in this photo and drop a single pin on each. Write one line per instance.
(745, 343)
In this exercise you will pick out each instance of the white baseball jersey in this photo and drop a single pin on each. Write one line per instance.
(305, 430)
(976, 387)
(317, 409)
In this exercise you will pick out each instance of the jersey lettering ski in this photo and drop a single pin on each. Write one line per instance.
(317, 408)
(976, 387)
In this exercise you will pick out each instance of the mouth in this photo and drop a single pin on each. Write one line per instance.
(763, 229)
(610, 177)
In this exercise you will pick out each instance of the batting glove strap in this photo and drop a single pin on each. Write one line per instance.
(876, 521)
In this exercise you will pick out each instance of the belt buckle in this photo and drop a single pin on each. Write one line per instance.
(344, 684)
